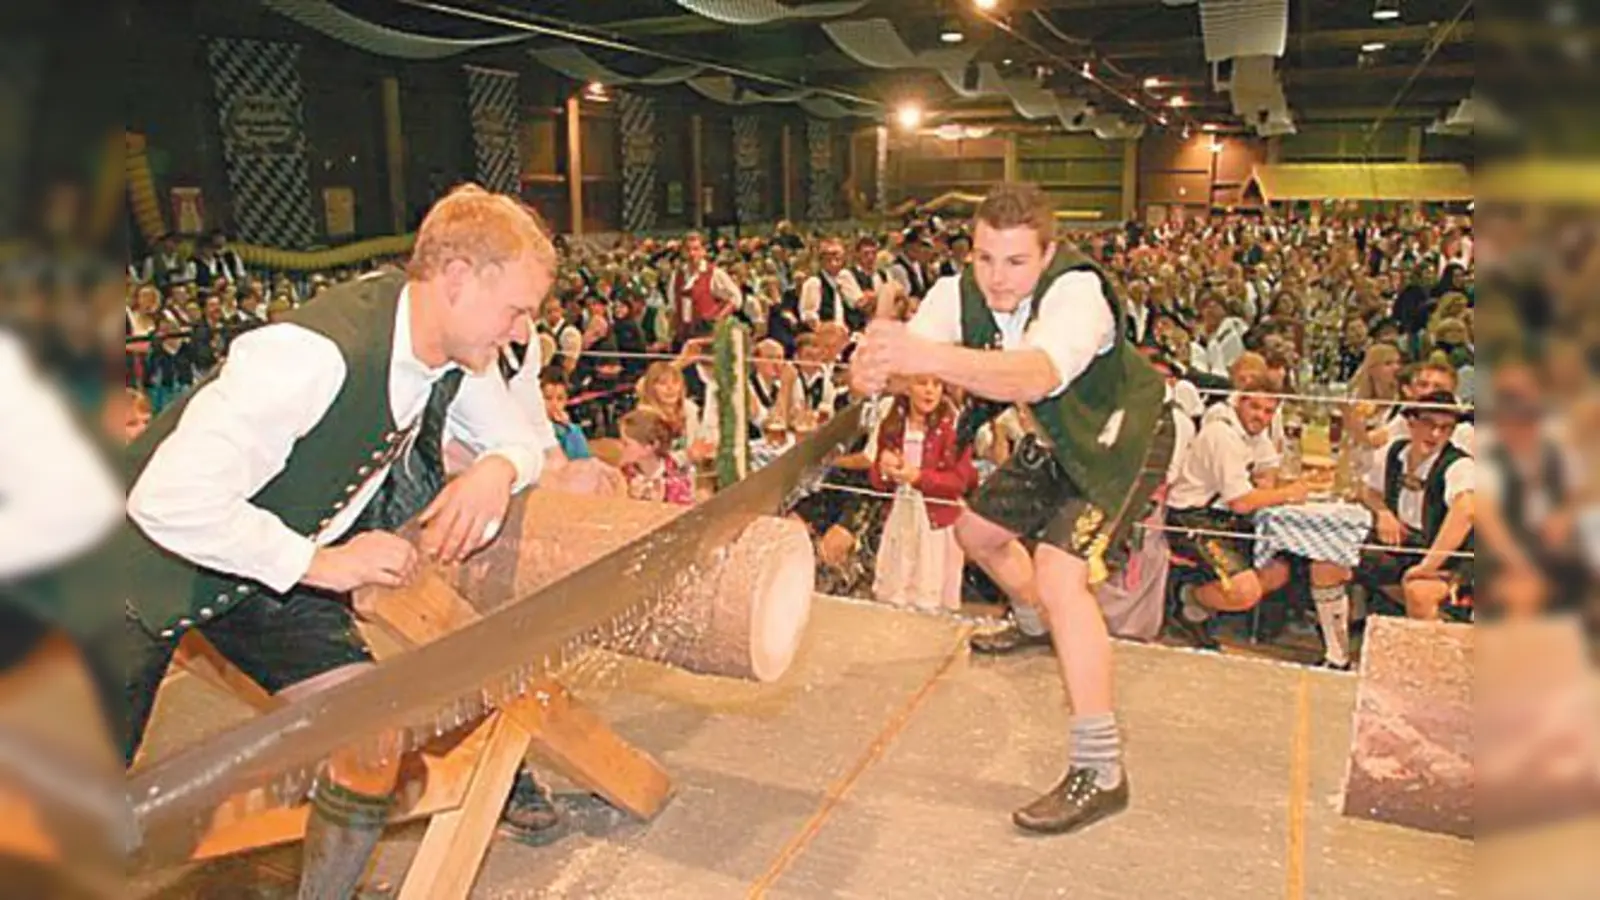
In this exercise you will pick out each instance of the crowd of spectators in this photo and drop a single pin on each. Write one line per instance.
(1295, 348)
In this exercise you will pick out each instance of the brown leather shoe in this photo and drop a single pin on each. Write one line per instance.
(1077, 802)
(1006, 640)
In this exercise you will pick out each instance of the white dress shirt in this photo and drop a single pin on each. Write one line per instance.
(193, 498)
(1074, 326)
(1459, 479)
(57, 495)
(1221, 463)
(845, 293)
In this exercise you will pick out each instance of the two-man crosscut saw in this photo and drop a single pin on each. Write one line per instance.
(173, 799)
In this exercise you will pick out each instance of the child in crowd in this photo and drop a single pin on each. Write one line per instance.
(920, 457)
(647, 459)
(568, 434)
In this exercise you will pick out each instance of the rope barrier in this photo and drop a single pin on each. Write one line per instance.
(1205, 532)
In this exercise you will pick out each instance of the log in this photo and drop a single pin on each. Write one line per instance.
(1411, 747)
(742, 618)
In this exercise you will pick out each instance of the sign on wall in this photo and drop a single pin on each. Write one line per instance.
(259, 112)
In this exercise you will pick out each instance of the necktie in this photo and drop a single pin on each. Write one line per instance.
(418, 476)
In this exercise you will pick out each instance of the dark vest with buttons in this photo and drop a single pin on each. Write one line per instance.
(828, 309)
(1104, 466)
(354, 440)
(1434, 508)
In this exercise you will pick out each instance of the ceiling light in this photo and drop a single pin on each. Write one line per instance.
(1208, 127)
(1177, 101)
(909, 115)
(985, 5)
(1152, 82)
(1373, 46)
(1386, 10)
(951, 35)
(1186, 132)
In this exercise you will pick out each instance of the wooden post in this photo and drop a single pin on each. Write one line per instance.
(1414, 144)
(1009, 167)
(788, 173)
(1275, 149)
(696, 177)
(1130, 178)
(575, 163)
(394, 153)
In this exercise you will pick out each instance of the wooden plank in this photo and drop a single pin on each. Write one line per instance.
(452, 850)
(573, 740)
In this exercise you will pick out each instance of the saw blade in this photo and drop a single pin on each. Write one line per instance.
(175, 798)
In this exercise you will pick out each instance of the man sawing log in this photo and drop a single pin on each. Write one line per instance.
(261, 503)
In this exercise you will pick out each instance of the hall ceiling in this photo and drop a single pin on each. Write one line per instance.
(1326, 74)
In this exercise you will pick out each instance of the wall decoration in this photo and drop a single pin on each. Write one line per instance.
(259, 111)
(492, 105)
(640, 173)
(339, 207)
(188, 211)
(820, 185)
(750, 175)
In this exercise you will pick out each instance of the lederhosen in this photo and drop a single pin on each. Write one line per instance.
(1094, 455)
(1223, 556)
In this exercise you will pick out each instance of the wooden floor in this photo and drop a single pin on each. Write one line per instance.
(886, 764)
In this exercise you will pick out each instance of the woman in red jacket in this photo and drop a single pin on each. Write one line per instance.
(919, 563)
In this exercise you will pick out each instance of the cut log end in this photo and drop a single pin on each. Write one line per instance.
(780, 605)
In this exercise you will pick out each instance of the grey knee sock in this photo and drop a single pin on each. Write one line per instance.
(1192, 609)
(1333, 613)
(340, 837)
(1029, 620)
(1097, 745)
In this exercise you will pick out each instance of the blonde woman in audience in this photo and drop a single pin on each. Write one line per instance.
(662, 387)
(1375, 389)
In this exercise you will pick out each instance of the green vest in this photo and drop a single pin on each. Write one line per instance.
(1103, 458)
(356, 438)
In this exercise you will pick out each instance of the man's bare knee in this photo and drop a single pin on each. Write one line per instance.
(980, 538)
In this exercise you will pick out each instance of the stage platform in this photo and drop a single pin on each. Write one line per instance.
(886, 764)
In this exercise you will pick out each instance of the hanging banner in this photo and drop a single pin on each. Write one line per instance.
(339, 209)
(640, 199)
(492, 105)
(263, 139)
(749, 175)
(188, 211)
(820, 187)
(21, 70)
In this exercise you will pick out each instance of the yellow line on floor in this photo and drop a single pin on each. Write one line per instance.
(837, 791)
(1299, 790)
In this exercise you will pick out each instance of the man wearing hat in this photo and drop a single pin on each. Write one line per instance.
(1421, 492)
